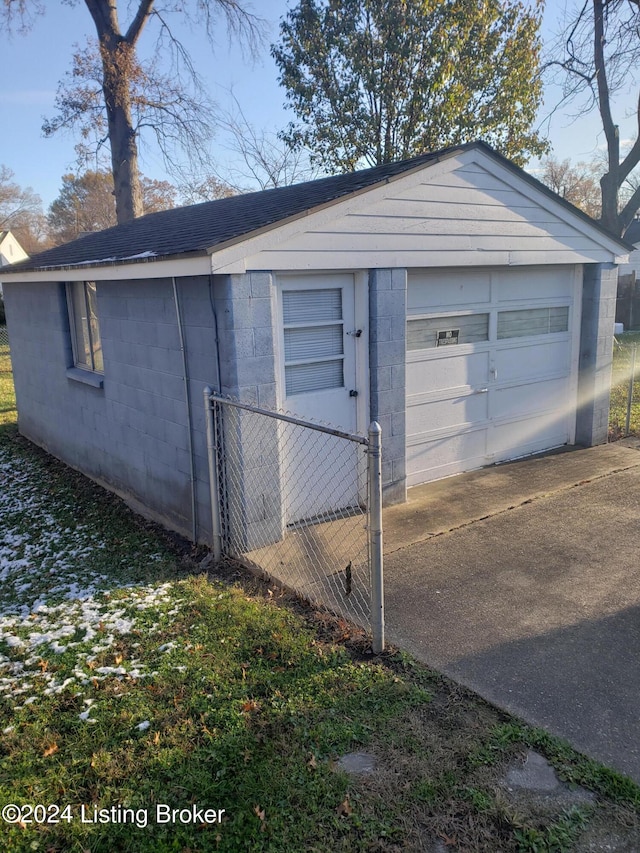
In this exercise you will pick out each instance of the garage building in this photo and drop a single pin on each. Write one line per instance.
(452, 298)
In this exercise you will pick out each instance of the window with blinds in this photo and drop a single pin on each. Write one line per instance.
(432, 331)
(313, 340)
(532, 321)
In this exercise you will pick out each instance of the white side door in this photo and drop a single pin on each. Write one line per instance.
(318, 340)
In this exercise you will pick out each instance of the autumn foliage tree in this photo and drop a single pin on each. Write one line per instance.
(579, 183)
(87, 203)
(21, 212)
(205, 189)
(111, 88)
(371, 81)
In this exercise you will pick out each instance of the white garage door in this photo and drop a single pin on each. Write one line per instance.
(491, 366)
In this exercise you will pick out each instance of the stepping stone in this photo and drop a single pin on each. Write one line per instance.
(357, 763)
(536, 780)
(536, 774)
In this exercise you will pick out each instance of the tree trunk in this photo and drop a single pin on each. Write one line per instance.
(609, 217)
(117, 52)
(117, 58)
(124, 164)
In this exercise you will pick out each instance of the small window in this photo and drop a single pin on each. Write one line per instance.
(313, 340)
(532, 321)
(85, 328)
(319, 376)
(440, 331)
(301, 306)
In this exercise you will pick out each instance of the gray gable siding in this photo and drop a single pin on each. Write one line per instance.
(467, 210)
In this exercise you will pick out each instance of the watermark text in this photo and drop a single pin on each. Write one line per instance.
(27, 814)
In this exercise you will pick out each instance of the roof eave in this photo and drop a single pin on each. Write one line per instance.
(14, 270)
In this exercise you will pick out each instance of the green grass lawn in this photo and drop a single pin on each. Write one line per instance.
(131, 682)
(620, 386)
(7, 395)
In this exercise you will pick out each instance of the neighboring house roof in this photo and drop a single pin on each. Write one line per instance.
(11, 252)
(202, 228)
(632, 234)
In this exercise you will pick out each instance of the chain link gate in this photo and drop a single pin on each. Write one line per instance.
(4, 341)
(624, 415)
(303, 502)
(6, 371)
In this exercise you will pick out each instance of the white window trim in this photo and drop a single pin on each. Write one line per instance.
(81, 371)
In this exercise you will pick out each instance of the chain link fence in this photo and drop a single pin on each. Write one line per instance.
(7, 393)
(624, 411)
(5, 353)
(294, 499)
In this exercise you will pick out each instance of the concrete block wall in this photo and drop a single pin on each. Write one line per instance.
(246, 331)
(596, 353)
(38, 327)
(145, 423)
(246, 334)
(132, 434)
(387, 358)
(195, 295)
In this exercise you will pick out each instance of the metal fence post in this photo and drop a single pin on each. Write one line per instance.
(214, 488)
(374, 459)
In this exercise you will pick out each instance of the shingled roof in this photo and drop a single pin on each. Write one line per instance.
(200, 228)
(632, 234)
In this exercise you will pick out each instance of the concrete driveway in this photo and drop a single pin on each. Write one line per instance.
(522, 582)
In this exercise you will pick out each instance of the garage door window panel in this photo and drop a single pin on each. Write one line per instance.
(432, 332)
(529, 322)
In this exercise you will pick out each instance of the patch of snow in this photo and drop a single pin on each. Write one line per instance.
(50, 605)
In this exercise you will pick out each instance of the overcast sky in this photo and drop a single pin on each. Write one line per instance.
(32, 65)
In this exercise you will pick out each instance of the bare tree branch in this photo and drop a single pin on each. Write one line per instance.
(107, 95)
(20, 15)
(138, 23)
(598, 58)
(268, 161)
